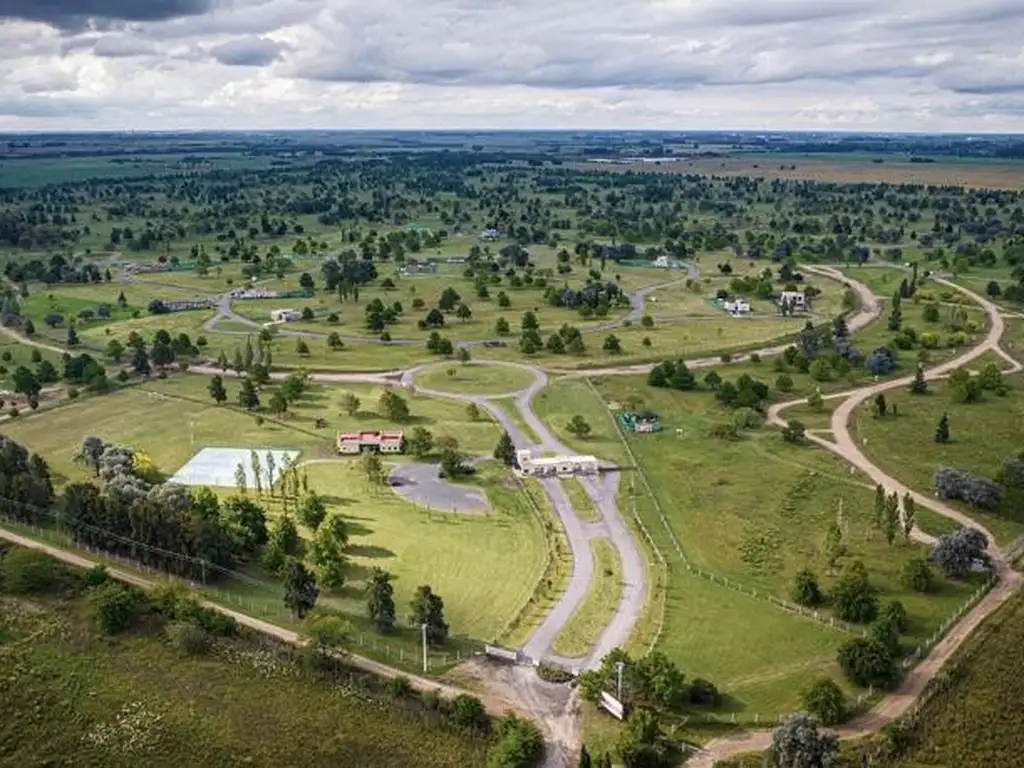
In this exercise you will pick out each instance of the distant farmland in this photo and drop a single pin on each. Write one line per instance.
(993, 174)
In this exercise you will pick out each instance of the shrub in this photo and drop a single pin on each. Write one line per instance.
(28, 571)
(517, 744)
(468, 712)
(95, 576)
(854, 597)
(552, 674)
(784, 383)
(917, 575)
(114, 606)
(399, 687)
(806, 590)
(73, 393)
(748, 418)
(826, 702)
(187, 637)
(866, 661)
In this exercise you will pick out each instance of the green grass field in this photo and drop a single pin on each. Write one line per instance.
(134, 700)
(583, 630)
(735, 524)
(983, 434)
(581, 502)
(474, 379)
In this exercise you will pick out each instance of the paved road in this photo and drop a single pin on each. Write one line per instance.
(896, 704)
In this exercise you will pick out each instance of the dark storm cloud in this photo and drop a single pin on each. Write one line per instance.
(248, 52)
(77, 14)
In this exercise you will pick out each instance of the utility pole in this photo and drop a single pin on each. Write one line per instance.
(619, 665)
(423, 632)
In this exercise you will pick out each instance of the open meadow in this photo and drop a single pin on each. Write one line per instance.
(119, 701)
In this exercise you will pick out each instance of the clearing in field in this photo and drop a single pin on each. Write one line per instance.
(475, 379)
(216, 467)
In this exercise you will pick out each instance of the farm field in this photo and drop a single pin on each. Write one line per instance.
(138, 699)
(982, 435)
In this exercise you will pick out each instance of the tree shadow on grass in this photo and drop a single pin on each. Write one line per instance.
(355, 528)
(337, 501)
(368, 551)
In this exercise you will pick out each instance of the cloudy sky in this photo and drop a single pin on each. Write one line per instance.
(932, 65)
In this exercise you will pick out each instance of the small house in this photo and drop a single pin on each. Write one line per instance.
(375, 441)
(736, 306)
(795, 300)
(490, 235)
(413, 267)
(285, 315)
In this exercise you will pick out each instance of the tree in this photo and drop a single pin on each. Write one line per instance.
(463, 312)
(585, 761)
(114, 350)
(472, 411)
(26, 382)
(114, 606)
(505, 450)
(794, 432)
(501, 327)
(516, 743)
(578, 426)
(428, 608)
(854, 598)
(247, 519)
(373, 468)
(909, 510)
(917, 575)
(380, 603)
(312, 510)
(248, 398)
(334, 341)
(421, 442)
(72, 336)
(868, 661)
(878, 518)
(350, 404)
(891, 523)
(641, 744)
(816, 402)
(919, 386)
(89, 453)
(806, 590)
(881, 408)
(612, 344)
(328, 632)
(283, 542)
(327, 551)
(217, 391)
(300, 590)
(825, 701)
(463, 355)
(393, 407)
(797, 743)
(942, 431)
(453, 464)
(833, 548)
(278, 402)
(529, 322)
(957, 553)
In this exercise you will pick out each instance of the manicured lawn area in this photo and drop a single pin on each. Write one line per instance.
(583, 630)
(474, 379)
(565, 398)
(134, 700)
(983, 434)
(883, 281)
(581, 501)
(484, 567)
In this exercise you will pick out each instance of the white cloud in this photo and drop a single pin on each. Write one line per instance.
(880, 64)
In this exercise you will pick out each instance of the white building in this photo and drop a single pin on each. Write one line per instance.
(285, 315)
(374, 441)
(562, 466)
(737, 307)
(796, 300)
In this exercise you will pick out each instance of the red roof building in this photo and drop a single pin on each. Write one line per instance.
(372, 441)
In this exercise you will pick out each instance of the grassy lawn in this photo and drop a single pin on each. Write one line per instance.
(134, 700)
(474, 379)
(582, 631)
(983, 434)
(761, 658)
(883, 281)
(484, 567)
(565, 398)
(583, 505)
(733, 523)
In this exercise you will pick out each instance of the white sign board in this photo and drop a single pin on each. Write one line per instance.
(612, 706)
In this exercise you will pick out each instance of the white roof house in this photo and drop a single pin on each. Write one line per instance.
(795, 299)
(285, 315)
(563, 466)
(737, 307)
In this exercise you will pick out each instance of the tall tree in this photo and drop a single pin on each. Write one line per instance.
(373, 468)
(797, 743)
(428, 608)
(300, 589)
(909, 509)
(350, 404)
(248, 398)
(919, 386)
(257, 471)
(217, 391)
(505, 450)
(380, 603)
(942, 430)
(892, 517)
(240, 480)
